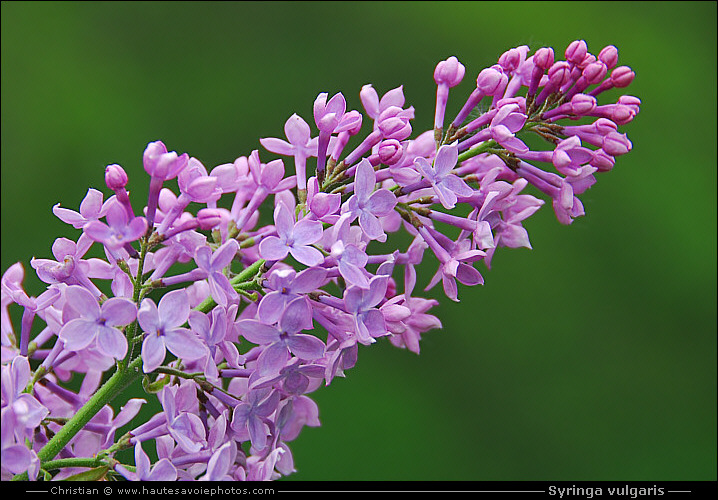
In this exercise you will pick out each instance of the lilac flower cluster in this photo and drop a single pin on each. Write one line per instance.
(267, 314)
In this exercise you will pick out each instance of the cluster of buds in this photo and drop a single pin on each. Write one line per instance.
(231, 324)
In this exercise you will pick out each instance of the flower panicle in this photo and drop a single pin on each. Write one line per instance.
(260, 316)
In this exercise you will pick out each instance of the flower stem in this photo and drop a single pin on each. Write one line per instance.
(120, 380)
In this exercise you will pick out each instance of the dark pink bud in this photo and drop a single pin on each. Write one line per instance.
(594, 72)
(449, 72)
(602, 161)
(491, 81)
(604, 126)
(582, 104)
(616, 144)
(209, 218)
(576, 51)
(513, 58)
(632, 102)
(622, 76)
(115, 177)
(544, 58)
(559, 74)
(609, 56)
(390, 151)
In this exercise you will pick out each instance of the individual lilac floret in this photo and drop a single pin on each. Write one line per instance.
(91, 209)
(97, 322)
(213, 264)
(361, 304)
(447, 74)
(327, 116)
(163, 470)
(21, 412)
(292, 238)
(301, 145)
(248, 418)
(367, 204)
(284, 338)
(119, 231)
(164, 331)
(286, 285)
(447, 186)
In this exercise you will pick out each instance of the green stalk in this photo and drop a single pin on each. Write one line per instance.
(119, 381)
(481, 148)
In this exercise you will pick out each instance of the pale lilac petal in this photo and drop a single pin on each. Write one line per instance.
(78, 334)
(371, 226)
(446, 158)
(203, 257)
(224, 255)
(296, 316)
(297, 130)
(174, 308)
(278, 146)
(364, 180)
(82, 301)
(118, 311)
(306, 347)
(184, 344)
(353, 274)
(308, 256)
(273, 358)
(256, 332)
(307, 232)
(457, 185)
(153, 352)
(257, 432)
(69, 216)
(163, 471)
(309, 280)
(142, 462)
(381, 202)
(283, 220)
(271, 307)
(148, 316)
(273, 248)
(111, 342)
(136, 228)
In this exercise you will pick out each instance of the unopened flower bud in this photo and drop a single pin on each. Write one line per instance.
(594, 72)
(622, 76)
(491, 81)
(390, 151)
(544, 58)
(209, 218)
(449, 72)
(115, 177)
(576, 51)
(609, 56)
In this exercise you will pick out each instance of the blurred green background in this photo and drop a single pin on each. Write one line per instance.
(592, 356)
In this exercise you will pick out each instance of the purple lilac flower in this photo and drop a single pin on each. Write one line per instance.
(163, 470)
(249, 417)
(367, 204)
(214, 264)
(447, 186)
(91, 209)
(284, 338)
(97, 323)
(301, 146)
(286, 285)
(119, 230)
(292, 238)
(163, 328)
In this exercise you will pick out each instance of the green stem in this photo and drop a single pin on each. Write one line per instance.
(481, 148)
(120, 380)
(248, 272)
(74, 462)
